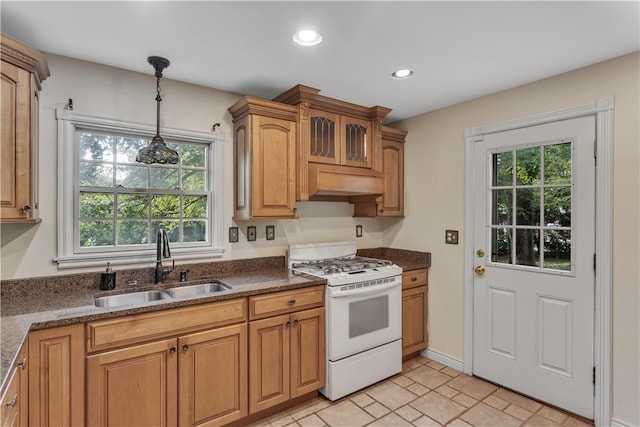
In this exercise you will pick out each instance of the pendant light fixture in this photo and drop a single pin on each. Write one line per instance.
(158, 151)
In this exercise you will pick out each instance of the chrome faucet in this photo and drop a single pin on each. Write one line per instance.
(162, 252)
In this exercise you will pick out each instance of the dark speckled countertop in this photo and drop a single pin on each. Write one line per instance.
(32, 304)
(38, 303)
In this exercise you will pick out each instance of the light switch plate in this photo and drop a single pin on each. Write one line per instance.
(358, 231)
(251, 233)
(271, 232)
(451, 237)
(233, 234)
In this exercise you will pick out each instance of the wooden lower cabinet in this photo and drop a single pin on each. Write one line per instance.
(14, 395)
(56, 376)
(286, 357)
(414, 311)
(193, 380)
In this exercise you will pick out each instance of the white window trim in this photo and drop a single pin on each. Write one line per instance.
(67, 256)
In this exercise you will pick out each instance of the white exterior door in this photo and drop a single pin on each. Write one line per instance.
(534, 244)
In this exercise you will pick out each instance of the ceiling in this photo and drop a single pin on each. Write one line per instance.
(458, 50)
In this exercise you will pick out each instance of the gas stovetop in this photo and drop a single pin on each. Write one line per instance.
(338, 263)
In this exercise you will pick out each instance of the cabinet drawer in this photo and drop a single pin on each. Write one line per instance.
(413, 278)
(105, 334)
(284, 302)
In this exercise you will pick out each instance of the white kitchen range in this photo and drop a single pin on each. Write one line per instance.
(363, 314)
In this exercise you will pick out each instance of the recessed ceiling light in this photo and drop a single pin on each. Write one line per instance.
(402, 74)
(307, 38)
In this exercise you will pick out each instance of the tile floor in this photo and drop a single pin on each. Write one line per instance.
(426, 393)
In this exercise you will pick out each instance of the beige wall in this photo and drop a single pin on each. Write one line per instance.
(434, 185)
(28, 250)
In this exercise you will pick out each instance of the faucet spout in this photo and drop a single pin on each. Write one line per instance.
(163, 251)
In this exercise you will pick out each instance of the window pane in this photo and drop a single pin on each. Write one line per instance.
(194, 206)
(557, 207)
(502, 207)
(557, 249)
(193, 180)
(96, 175)
(96, 147)
(503, 169)
(96, 205)
(528, 206)
(133, 206)
(131, 176)
(96, 233)
(171, 227)
(557, 163)
(528, 166)
(195, 231)
(127, 149)
(165, 206)
(527, 247)
(501, 245)
(133, 232)
(164, 178)
(193, 155)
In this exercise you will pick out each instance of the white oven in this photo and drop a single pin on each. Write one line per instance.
(361, 316)
(363, 308)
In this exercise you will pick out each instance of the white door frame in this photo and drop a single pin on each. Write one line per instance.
(603, 110)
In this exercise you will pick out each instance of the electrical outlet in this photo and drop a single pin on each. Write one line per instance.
(358, 231)
(271, 232)
(251, 233)
(451, 237)
(233, 234)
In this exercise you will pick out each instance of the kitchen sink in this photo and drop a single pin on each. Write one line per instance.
(197, 290)
(131, 298)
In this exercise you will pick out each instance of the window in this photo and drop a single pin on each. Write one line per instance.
(111, 207)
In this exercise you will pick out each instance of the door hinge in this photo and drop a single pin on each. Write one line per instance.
(594, 374)
(594, 262)
(595, 149)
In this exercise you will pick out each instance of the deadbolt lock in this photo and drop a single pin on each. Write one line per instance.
(480, 253)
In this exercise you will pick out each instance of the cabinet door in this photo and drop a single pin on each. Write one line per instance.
(268, 362)
(134, 386)
(15, 144)
(414, 319)
(392, 200)
(10, 400)
(307, 351)
(273, 167)
(356, 142)
(324, 143)
(56, 376)
(213, 376)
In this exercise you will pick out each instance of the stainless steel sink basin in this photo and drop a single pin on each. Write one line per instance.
(197, 290)
(132, 298)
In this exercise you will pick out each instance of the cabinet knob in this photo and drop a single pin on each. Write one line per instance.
(288, 324)
(414, 278)
(295, 322)
(13, 402)
(23, 363)
(291, 302)
(172, 350)
(185, 347)
(26, 209)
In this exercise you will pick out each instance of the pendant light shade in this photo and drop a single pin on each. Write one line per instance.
(158, 151)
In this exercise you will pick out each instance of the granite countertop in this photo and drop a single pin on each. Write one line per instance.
(62, 305)
(31, 304)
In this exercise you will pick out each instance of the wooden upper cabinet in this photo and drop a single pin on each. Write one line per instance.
(23, 69)
(264, 156)
(391, 203)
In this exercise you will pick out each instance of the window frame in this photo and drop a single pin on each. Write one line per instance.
(69, 254)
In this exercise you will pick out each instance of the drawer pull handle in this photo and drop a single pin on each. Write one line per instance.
(185, 347)
(23, 363)
(291, 302)
(13, 402)
(172, 350)
(414, 278)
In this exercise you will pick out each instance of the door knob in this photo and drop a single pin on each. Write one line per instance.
(479, 270)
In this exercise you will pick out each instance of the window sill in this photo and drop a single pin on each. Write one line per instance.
(100, 260)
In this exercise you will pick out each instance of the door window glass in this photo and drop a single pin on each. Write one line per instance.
(530, 197)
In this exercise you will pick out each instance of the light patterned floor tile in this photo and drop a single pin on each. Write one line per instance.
(472, 386)
(425, 421)
(438, 407)
(436, 365)
(451, 372)
(362, 400)
(402, 381)
(428, 377)
(408, 413)
(458, 423)
(311, 421)
(552, 414)
(345, 413)
(307, 408)
(464, 400)
(517, 399)
(518, 412)
(447, 391)
(377, 410)
(418, 389)
(391, 395)
(483, 415)
(540, 421)
(574, 422)
(391, 420)
(496, 402)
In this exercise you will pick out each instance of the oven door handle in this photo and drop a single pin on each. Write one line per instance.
(365, 291)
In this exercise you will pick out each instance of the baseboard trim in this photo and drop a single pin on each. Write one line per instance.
(445, 359)
(615, 423)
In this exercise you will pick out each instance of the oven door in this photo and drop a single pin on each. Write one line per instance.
(362, 318)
